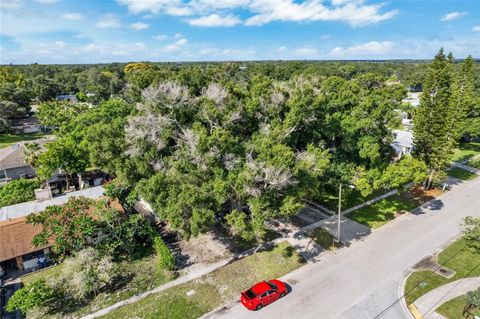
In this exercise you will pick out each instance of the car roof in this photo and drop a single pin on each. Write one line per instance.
(261, 287)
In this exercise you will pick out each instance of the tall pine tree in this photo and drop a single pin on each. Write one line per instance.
(463, 98)
(434, 121)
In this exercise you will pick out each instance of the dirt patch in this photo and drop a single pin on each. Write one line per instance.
(204, 248)
(417, 193)
(427, 263)
(431, 263)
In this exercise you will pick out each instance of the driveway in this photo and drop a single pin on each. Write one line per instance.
(361, 282)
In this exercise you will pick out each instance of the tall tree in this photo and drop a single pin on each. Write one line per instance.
(434, 133)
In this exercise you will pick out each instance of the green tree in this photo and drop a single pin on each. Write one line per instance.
(473, 301)
(165, 258)
(434, 128)
(18, 191)
(64, 155)
(471, 228)
(37, 294)
(84, 274)
(70, 226)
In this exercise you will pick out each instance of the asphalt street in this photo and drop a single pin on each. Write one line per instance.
(362, 281)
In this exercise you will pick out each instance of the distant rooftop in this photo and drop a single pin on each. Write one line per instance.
(403, 138)
(27, 208)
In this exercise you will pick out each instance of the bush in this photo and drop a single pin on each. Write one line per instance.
(18, 191)
(86, 274)
(164, 255)
(35, 295)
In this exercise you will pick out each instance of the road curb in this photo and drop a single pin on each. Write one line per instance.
(409, 311)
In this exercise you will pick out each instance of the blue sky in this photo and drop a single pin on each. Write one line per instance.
(92, 31)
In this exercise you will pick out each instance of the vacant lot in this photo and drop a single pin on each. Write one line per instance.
(456, 257)
(10, 139)
(460, 173)
(453, 309)
(136, 277)
(466, 151)
(350, 198)
(383, 211)
(210, 291)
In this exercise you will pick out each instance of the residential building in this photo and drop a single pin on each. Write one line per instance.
(16, 250)
(13, 164)
(413, 98)
(403, 143)
(67, 97)
(17, 254)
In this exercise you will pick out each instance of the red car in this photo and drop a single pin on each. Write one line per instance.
(263, 293)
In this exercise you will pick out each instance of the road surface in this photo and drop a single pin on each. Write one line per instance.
(362, 281)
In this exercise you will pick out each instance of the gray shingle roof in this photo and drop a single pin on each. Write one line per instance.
(27, 208)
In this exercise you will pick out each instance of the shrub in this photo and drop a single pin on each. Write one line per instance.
(34, 295)
(18, 191)
(164, 255)
(86, 273)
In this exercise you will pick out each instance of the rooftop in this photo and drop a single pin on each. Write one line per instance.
(27, 208)
(16, 237)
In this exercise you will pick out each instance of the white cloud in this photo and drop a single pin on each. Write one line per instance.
(46, 1)
(356, 13)
(73, 16)
(108, 21)
(176, 46)
(177, 35)
(11, 4)
(306, 52)
(453, 15)
(60, 43)
(221, 13)
(476, 28)
(372, 48)
(179, 11)
(153, 6)
(281, 49)
(160, 37)
(214, 20)
(139, 26)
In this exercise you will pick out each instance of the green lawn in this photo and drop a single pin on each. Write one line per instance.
(350, 198)
(474, 163)
(214, 289)
(465, 151)
(10, 139)
(381, 212)
(456, 257)
(453, 309)
(460, 173)
(137, 276)
(323, 238)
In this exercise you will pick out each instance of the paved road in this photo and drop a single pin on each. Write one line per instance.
(362, 281)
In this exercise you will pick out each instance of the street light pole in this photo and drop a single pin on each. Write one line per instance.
(339, 212)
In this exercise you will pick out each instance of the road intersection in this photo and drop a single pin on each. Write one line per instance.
(363, 280)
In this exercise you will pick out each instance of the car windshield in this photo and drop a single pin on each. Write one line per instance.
(250, 294)
(272, 285)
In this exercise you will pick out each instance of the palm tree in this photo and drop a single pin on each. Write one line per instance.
(32, 151)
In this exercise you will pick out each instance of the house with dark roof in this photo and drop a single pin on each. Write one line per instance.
(13, 164)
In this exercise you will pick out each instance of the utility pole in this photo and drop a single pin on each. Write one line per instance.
(339, 212)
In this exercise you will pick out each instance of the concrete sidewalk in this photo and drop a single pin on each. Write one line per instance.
(467, 168)
(428, 303)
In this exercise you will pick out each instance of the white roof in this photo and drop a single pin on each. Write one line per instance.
(27, 208)
(403, 138)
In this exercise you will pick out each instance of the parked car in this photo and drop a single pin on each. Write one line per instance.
(263, 294)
